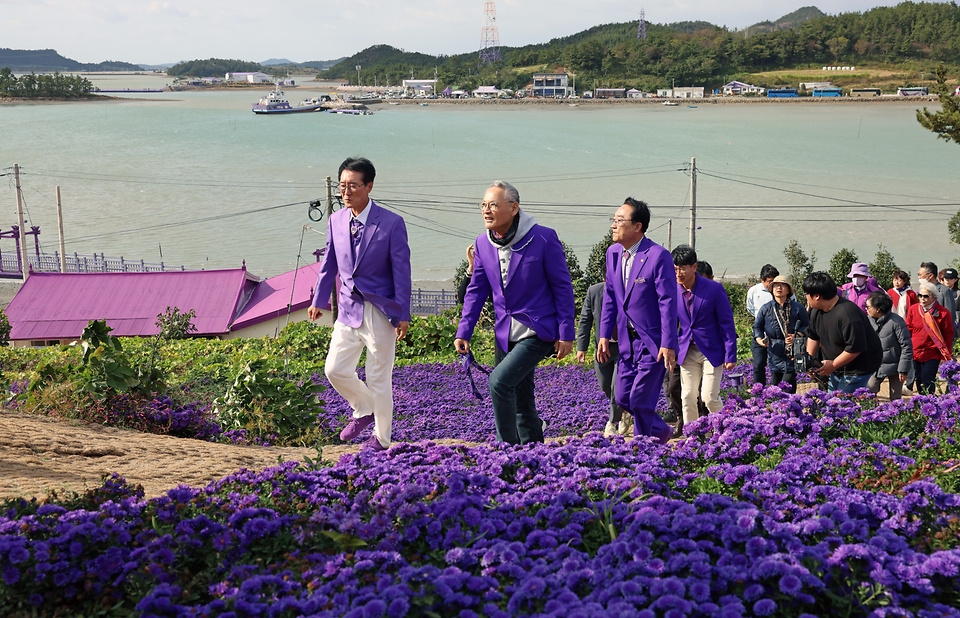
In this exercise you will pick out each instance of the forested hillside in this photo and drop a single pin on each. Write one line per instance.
(213, 67)
(45, 60)
(923, 34)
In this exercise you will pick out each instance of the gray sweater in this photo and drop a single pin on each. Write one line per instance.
(897, 346)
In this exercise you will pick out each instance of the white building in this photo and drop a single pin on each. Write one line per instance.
(551, 85)
(735, 87)
(808, 86)
(486, 91)
(251, 78)
(633, 93)
(420, 86)
(688, 93)
(665, 93)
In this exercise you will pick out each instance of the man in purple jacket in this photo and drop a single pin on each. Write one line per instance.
(640, 308)
(367, 247)
(524, 266)
(708, 336)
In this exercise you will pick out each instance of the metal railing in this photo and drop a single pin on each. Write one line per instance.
(432, 302)
(77, 263)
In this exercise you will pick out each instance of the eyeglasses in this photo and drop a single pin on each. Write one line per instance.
(924, 296)
(618, 220)
(351, 186)
(491, 206)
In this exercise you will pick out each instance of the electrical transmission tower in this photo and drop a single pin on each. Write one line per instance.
(489, 35)
(642, 28)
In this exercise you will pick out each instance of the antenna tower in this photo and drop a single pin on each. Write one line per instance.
(489, 35)
(642, 28)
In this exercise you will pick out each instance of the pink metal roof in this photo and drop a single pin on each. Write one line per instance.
(270, 298)
(59, 305)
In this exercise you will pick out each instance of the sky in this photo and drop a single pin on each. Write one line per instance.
(158, 32)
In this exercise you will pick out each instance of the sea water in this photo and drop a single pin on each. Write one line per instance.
(195, 178)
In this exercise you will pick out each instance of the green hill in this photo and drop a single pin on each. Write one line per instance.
(48, 60)
(213, 67)
(791, 20)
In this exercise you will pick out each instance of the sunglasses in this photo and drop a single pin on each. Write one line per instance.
(924, 296)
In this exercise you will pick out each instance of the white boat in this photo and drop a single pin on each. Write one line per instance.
(275, 103)
(352, 112)
(671, 104)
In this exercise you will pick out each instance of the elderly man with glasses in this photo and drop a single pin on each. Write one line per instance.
(640, 304)
(367, 247)
(523, 264)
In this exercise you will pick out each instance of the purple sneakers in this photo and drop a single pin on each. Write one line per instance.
(355, 426)
(373, 444)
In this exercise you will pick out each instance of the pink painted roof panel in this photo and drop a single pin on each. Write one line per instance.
(52, 305)
(272, 295)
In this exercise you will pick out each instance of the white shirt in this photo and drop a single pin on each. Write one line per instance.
(628, 256)
(364, 214)
(757, 297)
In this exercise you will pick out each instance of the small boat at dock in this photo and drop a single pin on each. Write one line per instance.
(275, 103)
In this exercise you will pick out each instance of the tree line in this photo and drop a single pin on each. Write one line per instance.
(214, 67)
(690, 52)
(53, 86)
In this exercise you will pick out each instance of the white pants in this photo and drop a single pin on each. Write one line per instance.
(379, 336)
(695, 368)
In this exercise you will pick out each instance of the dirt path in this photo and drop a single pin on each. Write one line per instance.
(39, 455)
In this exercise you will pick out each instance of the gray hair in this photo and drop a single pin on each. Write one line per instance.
(509, 191)
(929, 286)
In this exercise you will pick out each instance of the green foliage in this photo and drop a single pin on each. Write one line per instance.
(268, 405)
(737, 293)
(175, 325)
(800, 265)
(45, 86)
(882, 267)
(597, 262)
(840, 265)
(212, 67)
(4, 328)
(576, 275)
(946, 122)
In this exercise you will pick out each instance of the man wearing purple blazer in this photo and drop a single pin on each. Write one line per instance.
(640, 303)
(367, 247)
(708, 336)
(524, 266)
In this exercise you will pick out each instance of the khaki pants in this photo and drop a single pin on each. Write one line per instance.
(375, 396)
(697, 372)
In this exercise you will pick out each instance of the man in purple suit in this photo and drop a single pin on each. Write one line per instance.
(524, 266)
(640, 303)
(708, 336)
(367, 247)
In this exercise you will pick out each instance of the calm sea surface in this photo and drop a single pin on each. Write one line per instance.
(174, 173)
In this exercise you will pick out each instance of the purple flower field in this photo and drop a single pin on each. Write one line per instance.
(778, 505)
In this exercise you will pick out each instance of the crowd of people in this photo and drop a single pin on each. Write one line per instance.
(658, 319)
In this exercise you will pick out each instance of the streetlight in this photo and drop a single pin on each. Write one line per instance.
(358, 76)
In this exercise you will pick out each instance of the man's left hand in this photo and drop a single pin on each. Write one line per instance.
(729, 365)
(562, 348)
(669, 357)
(402, 330)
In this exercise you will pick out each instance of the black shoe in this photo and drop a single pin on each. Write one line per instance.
(669, 416)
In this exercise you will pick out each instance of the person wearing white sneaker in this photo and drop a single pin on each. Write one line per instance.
(590, 313)
(367, 247)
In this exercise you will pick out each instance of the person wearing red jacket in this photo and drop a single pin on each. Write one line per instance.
(931, 331)
(901, 294)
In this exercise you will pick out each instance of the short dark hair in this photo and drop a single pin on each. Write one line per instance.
(881, 302)
(361, 165)
(819, 283)
(704, 269)
(901, 274)
(684, 255)
(930, 267)
(641, 212)
(769, 271)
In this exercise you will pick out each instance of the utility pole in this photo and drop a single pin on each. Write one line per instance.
(333, 302)
(693, 203)
(669, 234)
(24, 263)
(63, 254)
(358, 77)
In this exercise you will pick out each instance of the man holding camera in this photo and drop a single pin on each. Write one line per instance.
(852, 351)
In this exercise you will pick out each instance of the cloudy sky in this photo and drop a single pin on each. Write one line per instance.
(161, 31)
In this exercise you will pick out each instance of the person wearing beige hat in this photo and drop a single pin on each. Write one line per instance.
(774, 328)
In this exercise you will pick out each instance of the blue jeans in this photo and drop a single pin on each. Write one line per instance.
(848, 383)
(926, 376)
(512, 391)
(759, 362)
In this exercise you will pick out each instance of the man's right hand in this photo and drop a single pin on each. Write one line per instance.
(462, 345)
(313, 314)
(603, 350)
(581, 356)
